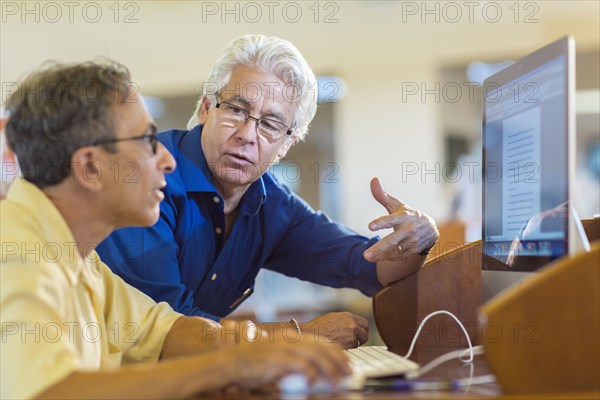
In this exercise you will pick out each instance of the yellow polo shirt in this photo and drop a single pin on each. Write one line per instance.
(61, 313)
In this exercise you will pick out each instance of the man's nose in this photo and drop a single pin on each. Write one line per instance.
(166, 162)
(248, 131)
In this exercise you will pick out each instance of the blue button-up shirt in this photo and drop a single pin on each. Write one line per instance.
(183, 259)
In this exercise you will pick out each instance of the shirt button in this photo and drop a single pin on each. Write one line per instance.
(218, 230)
(216, 199)
(214, 277)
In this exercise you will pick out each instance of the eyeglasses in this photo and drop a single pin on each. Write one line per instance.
(151, 138)
(269, 129)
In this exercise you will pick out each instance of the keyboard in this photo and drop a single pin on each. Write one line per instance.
(378, 362)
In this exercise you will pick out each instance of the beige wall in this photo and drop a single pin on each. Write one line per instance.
(374, 46)
(378, 135)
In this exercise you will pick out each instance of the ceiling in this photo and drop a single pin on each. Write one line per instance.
(169, 46)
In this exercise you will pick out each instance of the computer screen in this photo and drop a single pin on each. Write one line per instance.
(527, 141)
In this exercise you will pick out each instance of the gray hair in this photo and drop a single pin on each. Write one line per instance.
(270, 54)
(60, 108)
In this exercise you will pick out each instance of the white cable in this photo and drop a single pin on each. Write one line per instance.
(475, 351)
(470, 378)
(414, 341)
(472, 351)
(478, 380)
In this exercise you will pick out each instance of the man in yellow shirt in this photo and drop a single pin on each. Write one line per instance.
(91, 163)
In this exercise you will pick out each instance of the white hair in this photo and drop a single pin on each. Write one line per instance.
(273, 55)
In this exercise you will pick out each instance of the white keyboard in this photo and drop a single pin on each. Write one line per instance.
(377, 362)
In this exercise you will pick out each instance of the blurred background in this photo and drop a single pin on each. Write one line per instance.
(400, 96)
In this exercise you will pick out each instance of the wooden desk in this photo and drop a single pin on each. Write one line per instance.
(451, 281)
(453, 369)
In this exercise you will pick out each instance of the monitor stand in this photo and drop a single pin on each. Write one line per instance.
(494, 282)
(579, 238)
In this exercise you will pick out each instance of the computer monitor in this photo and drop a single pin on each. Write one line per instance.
(528, 165)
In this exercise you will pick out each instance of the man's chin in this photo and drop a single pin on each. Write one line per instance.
(150, 218)
(239, 176)
(140, 222)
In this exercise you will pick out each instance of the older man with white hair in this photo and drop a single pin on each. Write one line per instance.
(225, 216)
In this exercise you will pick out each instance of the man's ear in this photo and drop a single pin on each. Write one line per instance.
(86, 168)
(287, 144)
(204, 107)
